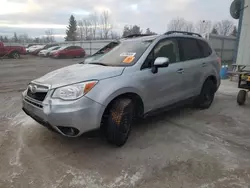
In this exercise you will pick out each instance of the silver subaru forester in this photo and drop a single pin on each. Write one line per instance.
(140, 75)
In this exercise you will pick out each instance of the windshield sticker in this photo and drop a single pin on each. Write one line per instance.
(126, 54)
(129, 59)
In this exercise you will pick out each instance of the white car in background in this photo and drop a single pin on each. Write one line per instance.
(45, 53)
(33, 48)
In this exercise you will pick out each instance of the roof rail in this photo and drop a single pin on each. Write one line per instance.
(138, 35)
(182, 32)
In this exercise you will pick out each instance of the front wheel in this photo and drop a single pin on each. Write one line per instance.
(15, 55)
(121, 115)
(206, 97)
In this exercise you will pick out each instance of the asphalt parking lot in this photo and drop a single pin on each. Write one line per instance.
(180, 148)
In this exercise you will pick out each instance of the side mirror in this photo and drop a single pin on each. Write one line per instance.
(159, 63)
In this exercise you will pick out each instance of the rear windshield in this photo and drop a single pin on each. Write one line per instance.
(124, 54)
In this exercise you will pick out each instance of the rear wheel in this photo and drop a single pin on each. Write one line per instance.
(241, 98)
(82, 55)
(119, 121)
(206, 97)
(61, 56)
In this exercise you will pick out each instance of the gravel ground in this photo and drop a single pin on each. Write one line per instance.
(180, 148)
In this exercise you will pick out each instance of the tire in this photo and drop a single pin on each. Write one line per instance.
(206, 97)
(119, 121)
(241, 98)
(82, 55)
(15, 55)
(61, 56)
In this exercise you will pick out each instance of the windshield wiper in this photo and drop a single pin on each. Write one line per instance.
(96, 63)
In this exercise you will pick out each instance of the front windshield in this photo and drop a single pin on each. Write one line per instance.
(62, 48)
(125, 54)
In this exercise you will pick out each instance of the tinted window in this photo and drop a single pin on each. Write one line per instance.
(189, 49)
(70, 48)
(205, 48)
(165, 48)
(78, 47)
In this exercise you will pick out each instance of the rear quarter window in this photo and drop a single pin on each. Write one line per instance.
(205, 48)
(189, 49)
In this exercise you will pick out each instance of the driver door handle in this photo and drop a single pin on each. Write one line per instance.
(180, 71)
(204, 64)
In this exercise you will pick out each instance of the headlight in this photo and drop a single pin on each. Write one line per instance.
(74, 91)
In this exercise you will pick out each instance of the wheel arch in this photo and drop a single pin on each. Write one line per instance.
(135, 97)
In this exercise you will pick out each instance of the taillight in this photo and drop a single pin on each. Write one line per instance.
(219, 61)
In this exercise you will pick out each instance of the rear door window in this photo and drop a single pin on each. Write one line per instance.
(70, 48)
(189, 49)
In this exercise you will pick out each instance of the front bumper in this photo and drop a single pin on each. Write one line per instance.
(81, 115)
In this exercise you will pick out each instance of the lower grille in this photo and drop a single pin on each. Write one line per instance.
(40, 121)
(35, 104)
(40, 96)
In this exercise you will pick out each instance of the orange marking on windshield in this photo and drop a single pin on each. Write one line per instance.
(129, 59)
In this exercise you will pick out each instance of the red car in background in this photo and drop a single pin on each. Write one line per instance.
(11, 51)
(69, 51)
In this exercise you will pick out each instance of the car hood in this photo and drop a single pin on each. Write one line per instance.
(78, 73)
(92, 58)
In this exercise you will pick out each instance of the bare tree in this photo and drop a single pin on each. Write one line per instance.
(203, 27)
(189, 27)
(86, 29)
(178, 24)
(80, 30)
(105, 24)
(224, 27)
(23, 38)
(114, 35)
(49, 35)
(94, 24)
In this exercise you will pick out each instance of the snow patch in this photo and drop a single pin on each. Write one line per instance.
(21, 119)
(81, 179)
(15, 161)
(127, 180)
(135, 178)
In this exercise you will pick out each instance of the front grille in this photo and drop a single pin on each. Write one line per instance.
(40, 96)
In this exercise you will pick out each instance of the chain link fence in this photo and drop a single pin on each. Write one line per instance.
(225, 46)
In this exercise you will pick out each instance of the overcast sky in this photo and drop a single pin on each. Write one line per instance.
(35, 16)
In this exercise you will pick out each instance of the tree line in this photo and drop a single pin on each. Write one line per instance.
(48, 37)
(100, 26)
(95, 26)
(223, 27)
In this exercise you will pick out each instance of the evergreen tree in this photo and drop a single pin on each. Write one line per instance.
(6, 39)
(131, 30)
(214, 31)
(15, 39)
(234, 32)
(71, 32)
(149, 32)
(1, 38)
